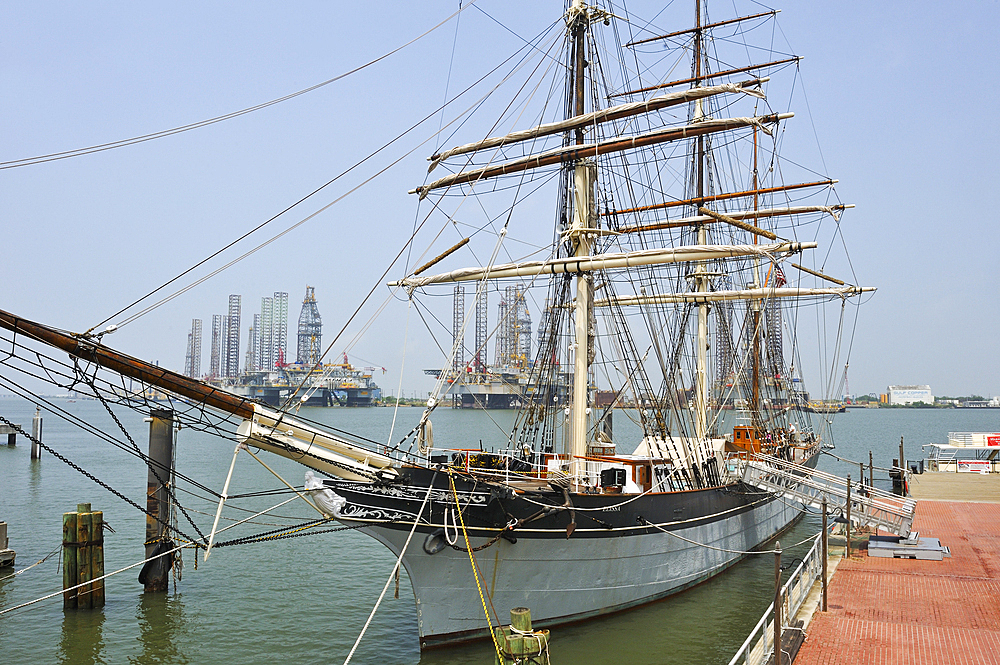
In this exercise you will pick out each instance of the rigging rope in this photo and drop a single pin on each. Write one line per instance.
(28, 161)
(395, 569)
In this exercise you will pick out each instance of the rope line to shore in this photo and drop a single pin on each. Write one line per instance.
(722, 549)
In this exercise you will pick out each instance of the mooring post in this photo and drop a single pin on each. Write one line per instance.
(871, 469)
(825, 546)
(161, 455)
(847, 548)
(777, 603)
(36, 434)
(520, 643)
(69, 561)
(7, 555)
(97, 558)
(84, 537)
(902, 466)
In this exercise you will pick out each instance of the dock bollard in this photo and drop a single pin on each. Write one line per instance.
(519, 643)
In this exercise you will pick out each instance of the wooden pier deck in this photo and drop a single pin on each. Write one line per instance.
(890, 611)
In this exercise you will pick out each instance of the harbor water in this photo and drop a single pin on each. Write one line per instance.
(306, 599)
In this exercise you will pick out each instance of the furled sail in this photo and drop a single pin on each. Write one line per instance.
(575, 265)
(742, 294)
(750, 87)
(578, 152)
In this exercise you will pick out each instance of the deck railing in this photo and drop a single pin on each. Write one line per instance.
(759, 646)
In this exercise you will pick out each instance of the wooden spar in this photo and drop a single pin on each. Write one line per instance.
(576, 265)
(701, 27)
(818, 274)
(443, 255)
(720, 296)
(737, 223)
(705, 77)
(604, 115)
(140, 370)
(701, 200)
(578, 152)
(740, 214)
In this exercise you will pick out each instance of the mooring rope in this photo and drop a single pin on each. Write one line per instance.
(721, 549)
(96, 579)
(475, 570)
(24, 570)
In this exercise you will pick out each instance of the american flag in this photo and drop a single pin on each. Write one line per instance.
(779, 277)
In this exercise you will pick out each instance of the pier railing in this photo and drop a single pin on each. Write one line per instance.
(870, 506)
(759, 646)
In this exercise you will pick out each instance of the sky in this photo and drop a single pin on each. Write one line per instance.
(898, 97)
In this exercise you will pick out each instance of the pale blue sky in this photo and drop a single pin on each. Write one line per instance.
(900, 96)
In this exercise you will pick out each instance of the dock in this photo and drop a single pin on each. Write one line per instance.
(884, 610)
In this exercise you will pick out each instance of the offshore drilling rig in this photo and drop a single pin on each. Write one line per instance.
(266, 373)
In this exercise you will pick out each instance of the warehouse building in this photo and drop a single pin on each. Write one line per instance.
(910, 394)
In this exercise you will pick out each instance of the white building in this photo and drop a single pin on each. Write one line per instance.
(910, 394)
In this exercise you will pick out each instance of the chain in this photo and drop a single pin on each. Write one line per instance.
(98, 481)
(488, 543)
(146, 458)
(279, 534)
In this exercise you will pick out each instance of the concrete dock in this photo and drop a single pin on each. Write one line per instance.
(890, 611)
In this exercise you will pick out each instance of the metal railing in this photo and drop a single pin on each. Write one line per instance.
(870, 506)
(759, 645)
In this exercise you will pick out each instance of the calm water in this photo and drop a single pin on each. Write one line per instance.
(306, 599)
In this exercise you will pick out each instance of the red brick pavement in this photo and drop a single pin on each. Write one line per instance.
(890, 611)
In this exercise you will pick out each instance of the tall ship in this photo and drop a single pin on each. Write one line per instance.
(683, 256)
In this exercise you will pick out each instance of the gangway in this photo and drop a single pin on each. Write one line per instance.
(869, 506)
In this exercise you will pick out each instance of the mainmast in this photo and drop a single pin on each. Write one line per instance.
(701, 271)
(582, 197)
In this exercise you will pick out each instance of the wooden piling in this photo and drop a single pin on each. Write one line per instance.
(7, 555)
(84, 532)
(36, 434)
(161, 455)
(902, 460)
(70, 577)
(83, 558)
(519, 643)
(97, 558)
